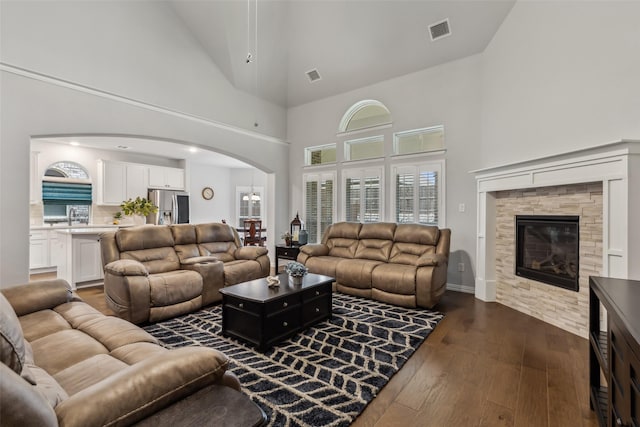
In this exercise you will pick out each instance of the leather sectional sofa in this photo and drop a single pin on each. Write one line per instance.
(156, 272)
(64, 363)
(402, 264)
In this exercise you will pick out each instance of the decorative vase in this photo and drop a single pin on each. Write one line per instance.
(287, 242)
(302, 237)
(295, 280)
(139, 219)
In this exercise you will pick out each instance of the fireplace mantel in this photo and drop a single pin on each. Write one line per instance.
(616, 165)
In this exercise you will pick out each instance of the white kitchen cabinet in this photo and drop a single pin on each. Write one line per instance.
(38, 250)
(111, 182)
(136, 181)
(119, 181)
(166, 178)
(87, 264)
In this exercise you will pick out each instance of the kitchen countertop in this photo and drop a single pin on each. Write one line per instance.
(77, 226)
(84, 230)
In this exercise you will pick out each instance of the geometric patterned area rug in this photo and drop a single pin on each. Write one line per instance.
(324, 376)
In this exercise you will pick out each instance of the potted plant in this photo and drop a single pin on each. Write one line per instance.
(296, 272)
(138, 209)
(287, 238)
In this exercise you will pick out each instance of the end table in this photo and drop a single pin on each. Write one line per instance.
(286, 252)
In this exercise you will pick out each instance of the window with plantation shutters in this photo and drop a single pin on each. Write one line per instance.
(418, 193)
(319, 203)
(363, 195)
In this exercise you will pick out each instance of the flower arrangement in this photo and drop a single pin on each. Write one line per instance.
(139, 206)
(287, 238)
(295, 269)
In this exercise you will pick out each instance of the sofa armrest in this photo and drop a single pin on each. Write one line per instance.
(144, 388)
(315, 249)
(126, 267)
(38, 295)
(431, 260)
(250, 252)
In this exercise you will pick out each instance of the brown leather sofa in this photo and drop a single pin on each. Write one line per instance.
(156, 272)
(402, 264)
(64, 363)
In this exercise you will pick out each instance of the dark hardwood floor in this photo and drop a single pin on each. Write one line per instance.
(484, 365)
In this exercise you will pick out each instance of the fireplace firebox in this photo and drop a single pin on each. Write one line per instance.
(547, 248)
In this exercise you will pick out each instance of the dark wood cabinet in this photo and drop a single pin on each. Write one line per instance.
(614, 358)
(286, 252)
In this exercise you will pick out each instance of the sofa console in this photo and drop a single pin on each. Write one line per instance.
(402, 264)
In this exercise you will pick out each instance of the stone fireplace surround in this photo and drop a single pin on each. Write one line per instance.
(601, 184)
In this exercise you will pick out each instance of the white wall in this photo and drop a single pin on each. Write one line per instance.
(560, 76)
(447, 95)
(221, 206)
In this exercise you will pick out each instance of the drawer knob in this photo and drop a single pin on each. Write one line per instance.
(241, 305)
(317, 310)
(285, 324)
(284, 304)
(317, 293)
(619, 422)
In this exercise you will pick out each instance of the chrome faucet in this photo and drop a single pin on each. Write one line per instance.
(72, 214)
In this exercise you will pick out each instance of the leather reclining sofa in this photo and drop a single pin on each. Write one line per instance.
(64, 363)
(157, 272)
(402, 264)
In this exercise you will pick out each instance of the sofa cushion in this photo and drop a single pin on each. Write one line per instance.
(377, 230)
(126, 267)
(157, 260)
(374, 249)
(89, 372)
(356, 272)
(12, 351)
(345, 230)
(47, 386)
(174, 287)
(241, 271)
(417, 233)
(22, 404)
(145, 237)
(53, 357)
(215, 232)
(42, 323)
(342, 247)
(395, 278)
(324, 264)
(183, 234)
(409, 253)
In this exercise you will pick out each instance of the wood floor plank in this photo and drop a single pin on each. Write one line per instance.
(531, 409)
(495, 415)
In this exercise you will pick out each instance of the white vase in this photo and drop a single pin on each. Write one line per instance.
(139, 219)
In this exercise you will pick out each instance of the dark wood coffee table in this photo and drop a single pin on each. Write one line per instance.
(263, 316)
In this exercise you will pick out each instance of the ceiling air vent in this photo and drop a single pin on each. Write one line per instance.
(439, 30)
(313, 75)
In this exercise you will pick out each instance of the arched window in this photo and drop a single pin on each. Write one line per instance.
(365, 114)
(67, 169)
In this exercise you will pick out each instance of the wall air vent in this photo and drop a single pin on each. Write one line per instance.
(439, 30)
(313, 75)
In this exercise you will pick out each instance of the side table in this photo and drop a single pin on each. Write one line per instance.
(286, 252)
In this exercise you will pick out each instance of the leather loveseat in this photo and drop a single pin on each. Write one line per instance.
(402, 264)
(64, 363)
(156, 272)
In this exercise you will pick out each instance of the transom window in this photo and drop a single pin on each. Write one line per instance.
(365, 114)
(418, 140)
(364, 148)
(320, 154)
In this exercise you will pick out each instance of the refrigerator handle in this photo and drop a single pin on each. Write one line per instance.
(174, 209)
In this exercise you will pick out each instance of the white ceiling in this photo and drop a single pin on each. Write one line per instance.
(352, 43)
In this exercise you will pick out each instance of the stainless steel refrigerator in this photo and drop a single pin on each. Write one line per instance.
(173, 207)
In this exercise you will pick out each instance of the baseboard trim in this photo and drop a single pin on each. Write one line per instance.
(461, 288)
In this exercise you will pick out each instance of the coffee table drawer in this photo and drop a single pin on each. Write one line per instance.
(317, 309)
(242, 324)
(250, 306)
(282, 324)
(316, 292)
(285, 303)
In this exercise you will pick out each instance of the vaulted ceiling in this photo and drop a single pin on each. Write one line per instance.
(351, 43)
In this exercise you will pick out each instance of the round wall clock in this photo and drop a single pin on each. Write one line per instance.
(207, 193)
